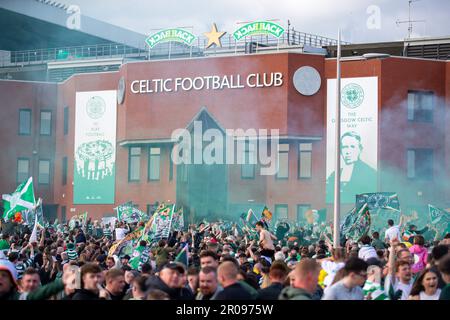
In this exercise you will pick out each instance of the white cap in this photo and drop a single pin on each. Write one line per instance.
(8, 266)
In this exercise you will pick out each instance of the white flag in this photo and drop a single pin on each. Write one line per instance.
(33, 237)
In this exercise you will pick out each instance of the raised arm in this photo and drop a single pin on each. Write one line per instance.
(249, 250)
(328, 242)
(391, 262)
(42, 240)
(402, 221)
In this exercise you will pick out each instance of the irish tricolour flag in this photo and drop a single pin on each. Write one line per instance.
(22, 199)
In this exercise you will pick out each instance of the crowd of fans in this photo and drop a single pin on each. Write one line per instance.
(74, 264)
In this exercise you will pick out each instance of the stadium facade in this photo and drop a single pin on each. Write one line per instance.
(44, 121)
(100, 132)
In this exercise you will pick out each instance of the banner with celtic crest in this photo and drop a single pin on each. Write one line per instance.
(378, 200)
(358, 140)
(356, 224)
(95, 147)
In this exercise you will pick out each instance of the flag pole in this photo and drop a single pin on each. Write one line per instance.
(337, 166)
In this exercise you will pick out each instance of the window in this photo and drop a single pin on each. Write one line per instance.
(305, 160)
(44, 172)
(23, 169)
(63, 214)
(46, 123)
(134, 164)
(301, 209)
(151, 208)
(411, 163)
(420, 106)
(281, 212)
(419, 164)
(25, 122)
(283, 161)
(154, 161)
(64, 171)
(66, 120)
(248, 167)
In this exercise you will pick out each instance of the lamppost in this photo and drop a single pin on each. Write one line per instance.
(337, 170)
(337, 162)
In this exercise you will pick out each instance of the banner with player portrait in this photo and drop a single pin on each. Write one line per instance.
(359, 137)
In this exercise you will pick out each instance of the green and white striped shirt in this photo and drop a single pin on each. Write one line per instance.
(373, 291)
(22, 266)
(72, 254)
(107, 232)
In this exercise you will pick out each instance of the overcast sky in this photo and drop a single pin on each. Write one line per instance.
(321, 17)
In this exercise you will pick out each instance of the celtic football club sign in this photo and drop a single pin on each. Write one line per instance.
(259, 27)
(176, 34)
(95, 153)
(352, 95)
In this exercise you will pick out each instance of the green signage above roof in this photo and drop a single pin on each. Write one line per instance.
(258, 27)
(178, 35)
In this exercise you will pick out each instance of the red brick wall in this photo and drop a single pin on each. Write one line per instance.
(36, 96)
(153, 116)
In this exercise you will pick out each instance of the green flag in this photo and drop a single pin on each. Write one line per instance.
(162, 222)
(251, 218)
(378, 200)
(72, 222)
(440, 219)
(246, 226)
(39, 213)
(178, 220)
(140, 256)
(356, 223)
(183, 256)
(147, 230)
(21, 199)
(128, 213)
(436, 214)
(129, 240)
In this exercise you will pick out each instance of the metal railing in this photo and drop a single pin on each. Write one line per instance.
(168, 50)
(97, 51)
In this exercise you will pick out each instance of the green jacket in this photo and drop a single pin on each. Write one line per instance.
(249, 288)
(162, 255)
(445, 293)
(42, 293)
(290, 293)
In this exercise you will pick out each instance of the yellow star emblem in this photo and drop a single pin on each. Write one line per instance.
(214, 36)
